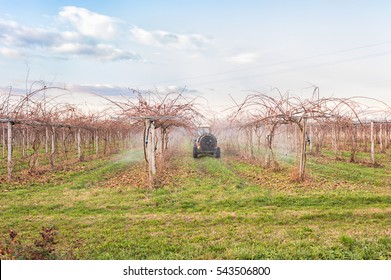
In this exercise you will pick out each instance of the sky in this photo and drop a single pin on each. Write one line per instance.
(218, 50)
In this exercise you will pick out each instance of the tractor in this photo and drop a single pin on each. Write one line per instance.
(205, 144)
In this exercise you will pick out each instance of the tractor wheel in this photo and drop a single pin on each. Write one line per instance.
(217, 152)
(195, 152)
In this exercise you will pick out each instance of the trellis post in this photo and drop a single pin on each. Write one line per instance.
(3, 126)
(79, 145)
(46, 140)
(334, 138)
(373, 143)
(381, 138)
(153, 150)
(53, 146)
(150, 137)
(303, 150)
(23, 143)
(9, 150)
(96, 142)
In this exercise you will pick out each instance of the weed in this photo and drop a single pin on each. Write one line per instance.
(43, 248)
(9, 246)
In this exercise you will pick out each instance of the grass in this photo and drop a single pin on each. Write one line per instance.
(206, 209)
(363, 175)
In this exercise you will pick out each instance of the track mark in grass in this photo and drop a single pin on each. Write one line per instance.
(254, 174)
(218, 171)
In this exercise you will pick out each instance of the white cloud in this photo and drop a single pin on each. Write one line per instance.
(71, 36)
(108, 52)
(14, 34)
(101, 51)
(100, 89)
(243, 58)
(11, 53)
(89, 23)
(175, 88)
(87, 39)
(83, 33)
(160, 38)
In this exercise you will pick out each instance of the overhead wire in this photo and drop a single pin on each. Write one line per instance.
(295, 69)
(282, 63)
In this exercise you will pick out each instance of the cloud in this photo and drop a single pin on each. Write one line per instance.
(89, 23)
(175, 88)
(101, 51)
(11, 53)
(160, 38)
(100, 89)
(243, 58)
(80, 32)
(88, 37)
(14, 34)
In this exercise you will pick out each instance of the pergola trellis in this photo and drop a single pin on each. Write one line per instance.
(261, 110)
(154, 110)
(10, 124)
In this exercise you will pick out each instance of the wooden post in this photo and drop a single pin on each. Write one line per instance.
(9, 150)
(46, 140)
(162, 139)
(23, 143)
(335, 140)
(150, 150)
(303, 150)
(27, 138)
(78, 145)
(353, 143)
(287, 142)
(53, 148)
(381, 138)
(373, 143)
(295, 141)
(250, 141)
(152, 159)
(3, 125)
(96, 142)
